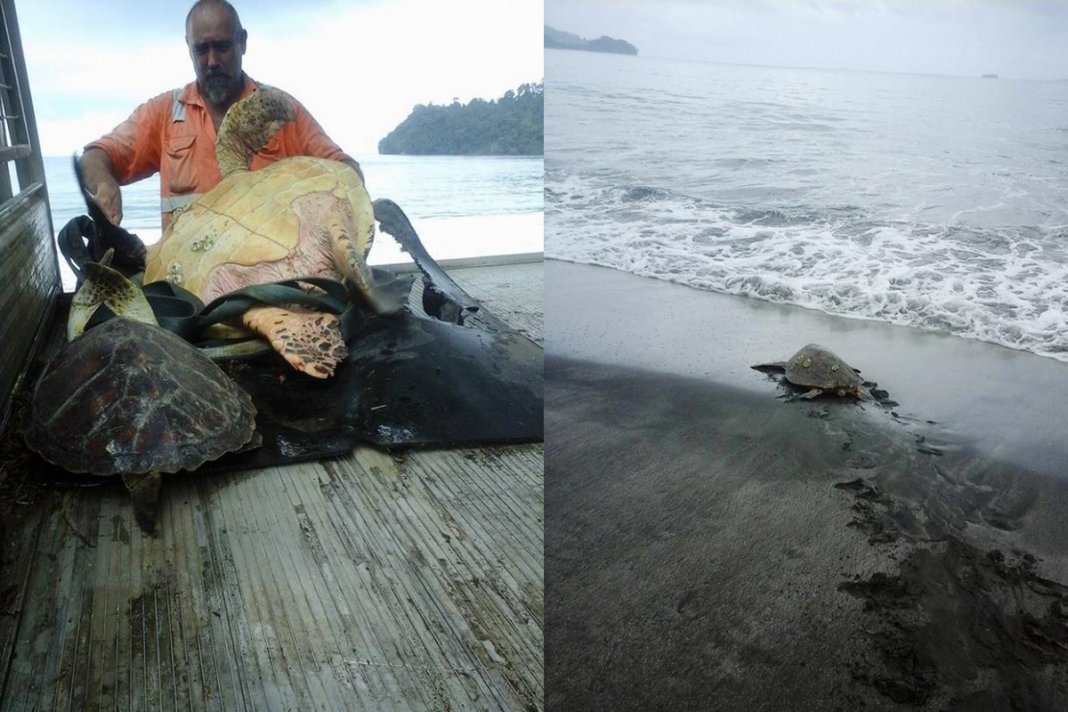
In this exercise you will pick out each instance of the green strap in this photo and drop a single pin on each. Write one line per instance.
(233, 304)
(73, 244)
(182, 312)
(284, 293)
(176, 309)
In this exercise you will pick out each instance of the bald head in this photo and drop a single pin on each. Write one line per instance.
(215, 7)
(216, 44)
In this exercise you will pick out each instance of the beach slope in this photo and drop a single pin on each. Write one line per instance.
(714, 543)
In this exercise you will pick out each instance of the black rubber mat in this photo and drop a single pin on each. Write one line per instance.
(409, 381)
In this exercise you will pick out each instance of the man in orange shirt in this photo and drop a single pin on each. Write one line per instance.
(175, 132)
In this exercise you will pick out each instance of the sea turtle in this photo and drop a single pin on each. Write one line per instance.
(820, 371)
(297, 217)
(131, 399)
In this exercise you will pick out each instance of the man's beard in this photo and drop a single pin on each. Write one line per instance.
(217, 88)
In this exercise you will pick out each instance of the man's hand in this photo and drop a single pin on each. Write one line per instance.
(101, 184)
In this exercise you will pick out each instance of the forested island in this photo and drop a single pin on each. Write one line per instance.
(512, 125)
(555, 39)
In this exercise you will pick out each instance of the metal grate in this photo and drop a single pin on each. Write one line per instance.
(16, 143)
(29, 271)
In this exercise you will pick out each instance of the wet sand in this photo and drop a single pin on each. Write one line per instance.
(714, 544)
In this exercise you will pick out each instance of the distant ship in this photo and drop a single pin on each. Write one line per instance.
(990, 76)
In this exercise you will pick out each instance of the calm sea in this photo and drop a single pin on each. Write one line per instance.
(934, 202)
(461, 206)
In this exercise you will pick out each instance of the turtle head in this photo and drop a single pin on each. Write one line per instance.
(249, 125)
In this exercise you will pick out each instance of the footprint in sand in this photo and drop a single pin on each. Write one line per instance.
(689, 605)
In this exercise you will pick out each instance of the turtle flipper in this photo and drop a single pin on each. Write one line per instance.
(309, 341)
(814, 393)
(352, 263)
(776, 367)
(249, 125)
(106, 287)
(144, 490)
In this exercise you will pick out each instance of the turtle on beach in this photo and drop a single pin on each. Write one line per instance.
(820, 371)
(129, 398)
(298, 217)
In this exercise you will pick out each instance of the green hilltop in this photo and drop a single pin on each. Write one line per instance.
(512, 125)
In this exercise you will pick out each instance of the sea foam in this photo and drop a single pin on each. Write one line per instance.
(1006, 285)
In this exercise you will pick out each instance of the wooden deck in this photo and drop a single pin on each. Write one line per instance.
(369, 582)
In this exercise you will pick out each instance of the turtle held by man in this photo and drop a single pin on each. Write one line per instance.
(819, 371)
(298, 217)
(130, 399)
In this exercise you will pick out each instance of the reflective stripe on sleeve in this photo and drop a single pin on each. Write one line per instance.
(177, 107)
(174, 202)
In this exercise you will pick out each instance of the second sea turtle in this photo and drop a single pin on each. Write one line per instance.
(819, 370)
(131, 399)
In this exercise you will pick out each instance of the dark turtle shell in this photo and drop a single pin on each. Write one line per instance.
(127, 397)
(816, 367)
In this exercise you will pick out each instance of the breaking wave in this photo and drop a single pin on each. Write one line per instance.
(1006, 285)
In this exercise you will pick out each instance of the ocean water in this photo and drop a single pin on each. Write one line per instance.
(460, 206)
(934, 202)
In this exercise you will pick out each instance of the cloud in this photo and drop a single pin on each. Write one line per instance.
(400, 54)
(1022, 38)
(358, 67)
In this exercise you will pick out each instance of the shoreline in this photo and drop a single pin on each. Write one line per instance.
(1005, 401)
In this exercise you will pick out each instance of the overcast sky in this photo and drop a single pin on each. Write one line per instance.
(1011, 38)
(359, 67)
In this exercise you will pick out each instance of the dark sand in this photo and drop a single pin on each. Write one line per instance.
(712, 545)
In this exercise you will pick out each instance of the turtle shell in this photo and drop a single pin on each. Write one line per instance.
(264, 226)
(127, 397)
(816, 367)
(297, 217)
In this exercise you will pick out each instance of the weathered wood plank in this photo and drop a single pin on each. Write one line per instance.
(366, 582)
(69, 524)
(18, 602)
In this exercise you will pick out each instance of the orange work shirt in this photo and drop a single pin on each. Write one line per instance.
(173, 134)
